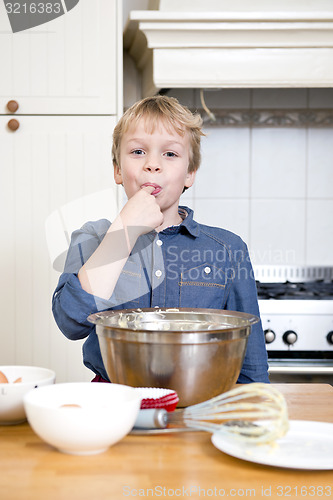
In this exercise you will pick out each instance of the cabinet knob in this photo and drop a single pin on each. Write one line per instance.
(13, 124)
(12, 106)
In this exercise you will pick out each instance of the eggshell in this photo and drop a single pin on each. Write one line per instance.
(3, 378)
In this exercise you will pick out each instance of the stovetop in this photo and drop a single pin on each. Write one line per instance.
(292, 274)
(294, 282)
(311, 290)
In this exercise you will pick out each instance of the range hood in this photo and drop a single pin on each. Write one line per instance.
(215, 49)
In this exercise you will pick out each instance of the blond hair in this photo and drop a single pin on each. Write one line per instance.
(172, 114)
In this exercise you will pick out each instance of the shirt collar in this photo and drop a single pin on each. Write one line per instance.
(189, 223)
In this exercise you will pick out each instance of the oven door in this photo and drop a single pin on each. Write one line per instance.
(298, 340)
(300, 371)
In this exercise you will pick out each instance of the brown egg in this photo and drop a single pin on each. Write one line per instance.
(70, 406)
(3, 378)
(18, 380)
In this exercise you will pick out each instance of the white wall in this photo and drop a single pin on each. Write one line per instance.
(129, 5)
(272, 186)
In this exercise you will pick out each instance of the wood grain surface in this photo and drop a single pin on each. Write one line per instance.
(178, 465)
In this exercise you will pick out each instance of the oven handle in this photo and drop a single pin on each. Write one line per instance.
(326, 370)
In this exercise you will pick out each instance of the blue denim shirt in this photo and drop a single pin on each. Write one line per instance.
(190, 265)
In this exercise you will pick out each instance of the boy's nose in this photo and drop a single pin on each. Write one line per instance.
(151, 168)
(152, 164)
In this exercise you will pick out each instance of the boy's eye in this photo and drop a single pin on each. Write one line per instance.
(137, 152)
(170, 154)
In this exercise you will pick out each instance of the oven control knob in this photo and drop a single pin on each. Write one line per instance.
(269, 336)
(289, 337)
(330, 337)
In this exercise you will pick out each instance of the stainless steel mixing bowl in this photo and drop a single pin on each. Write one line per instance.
(196, 352)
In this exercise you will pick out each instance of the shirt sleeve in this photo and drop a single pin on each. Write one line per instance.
(71, 305)
(243, 298)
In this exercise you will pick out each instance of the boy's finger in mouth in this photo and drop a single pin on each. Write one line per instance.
(156, 188)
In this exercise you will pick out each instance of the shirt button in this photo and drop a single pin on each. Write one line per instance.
(159, 243)
(158, 273)
(207, 270)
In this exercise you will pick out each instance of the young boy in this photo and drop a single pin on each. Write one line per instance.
(154, 254)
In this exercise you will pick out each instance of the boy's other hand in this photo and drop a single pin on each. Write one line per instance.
(142, 211)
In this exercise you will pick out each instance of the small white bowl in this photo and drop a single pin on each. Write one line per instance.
(103, 415)
(11, 394)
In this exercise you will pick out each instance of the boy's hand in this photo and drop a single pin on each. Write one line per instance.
(142, 211)
(141, 214)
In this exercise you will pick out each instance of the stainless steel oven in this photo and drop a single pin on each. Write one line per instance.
(296, 308)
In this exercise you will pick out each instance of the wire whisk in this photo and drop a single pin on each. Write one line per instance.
(255, 413)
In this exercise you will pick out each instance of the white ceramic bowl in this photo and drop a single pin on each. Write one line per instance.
(11, 394)
(104, 414)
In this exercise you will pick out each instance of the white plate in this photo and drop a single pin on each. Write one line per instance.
(307, 445)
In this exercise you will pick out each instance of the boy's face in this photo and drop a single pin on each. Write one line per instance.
(159, 159)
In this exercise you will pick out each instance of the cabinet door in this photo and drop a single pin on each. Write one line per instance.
(47, 163)
(67, 66)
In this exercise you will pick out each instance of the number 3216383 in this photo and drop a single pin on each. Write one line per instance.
(33, 8)
(304, 491)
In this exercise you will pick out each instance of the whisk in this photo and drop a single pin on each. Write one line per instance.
(255, 413)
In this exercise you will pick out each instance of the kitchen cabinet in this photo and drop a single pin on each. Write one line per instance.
(60, 98)
(214, 45)
(67, 66)
(48, 162)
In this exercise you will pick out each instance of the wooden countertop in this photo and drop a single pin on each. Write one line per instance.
(178, 465)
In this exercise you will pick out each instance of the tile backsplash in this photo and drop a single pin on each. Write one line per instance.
(273, 186)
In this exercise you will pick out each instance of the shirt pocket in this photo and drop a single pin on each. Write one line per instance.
(203, 286)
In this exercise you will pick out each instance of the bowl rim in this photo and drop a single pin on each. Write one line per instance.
(186, 336)
(49, 375)
(29, 398)
(249, 319)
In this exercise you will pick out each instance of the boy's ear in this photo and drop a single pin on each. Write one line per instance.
(190, 177)
(117, 174)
